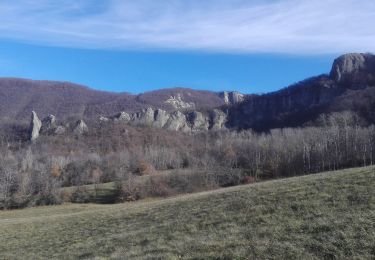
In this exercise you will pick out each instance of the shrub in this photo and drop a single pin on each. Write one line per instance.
(128, 191)
(157, 186)
(81, 195)
(248, 180)
(145, 168)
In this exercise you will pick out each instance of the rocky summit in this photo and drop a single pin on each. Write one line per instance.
(354, 68)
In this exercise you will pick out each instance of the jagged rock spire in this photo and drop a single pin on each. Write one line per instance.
(35, 126)
(80, 128)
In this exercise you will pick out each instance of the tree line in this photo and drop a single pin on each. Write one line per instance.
(35, 173)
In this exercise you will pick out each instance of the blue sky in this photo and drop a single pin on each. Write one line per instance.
(252, 46)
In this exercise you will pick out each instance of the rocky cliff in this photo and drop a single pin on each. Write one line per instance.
(351, 75)
(354, 69)
(193, 121)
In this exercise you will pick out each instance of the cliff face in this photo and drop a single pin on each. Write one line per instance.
(354, 69)
(193, 121)
(175, 121)
(304, 101)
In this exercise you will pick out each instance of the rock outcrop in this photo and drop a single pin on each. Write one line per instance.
(198, 121)
(146, 117)
(176, 121)
(122, 116)
(161, 117)
(49, 125)
(178, 103)
(354, 68)
(218, 119)
(80, 128)
(231, 98)
(35, 126)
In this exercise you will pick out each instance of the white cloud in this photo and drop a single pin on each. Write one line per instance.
(284, 26)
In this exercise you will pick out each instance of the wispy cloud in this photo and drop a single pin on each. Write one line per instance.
(283, 26)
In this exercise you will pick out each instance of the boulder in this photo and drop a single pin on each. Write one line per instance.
(35, 126)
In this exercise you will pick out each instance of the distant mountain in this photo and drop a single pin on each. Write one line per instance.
(18, 97)
(349, 86)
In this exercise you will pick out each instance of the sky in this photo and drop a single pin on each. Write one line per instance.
(252, 46)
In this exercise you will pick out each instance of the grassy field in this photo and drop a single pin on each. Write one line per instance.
(328, 215)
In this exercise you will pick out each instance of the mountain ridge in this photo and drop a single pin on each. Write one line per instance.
(352, 76)
(18, 97)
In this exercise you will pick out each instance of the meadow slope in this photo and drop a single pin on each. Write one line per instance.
(328, 215)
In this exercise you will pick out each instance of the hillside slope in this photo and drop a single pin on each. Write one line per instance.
(18, 97)
(352, 78)
(328, 215)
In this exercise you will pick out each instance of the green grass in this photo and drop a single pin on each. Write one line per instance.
(328, 215)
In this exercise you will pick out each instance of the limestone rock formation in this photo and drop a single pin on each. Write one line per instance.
(353, 68)
(218, 120)
(161, 118)
(80, 128)
(122, 117)
(177, 122)
(178, 103)
(49, 125)
(198, 121)
(35, 126)
(144, 118)
(231, 98)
